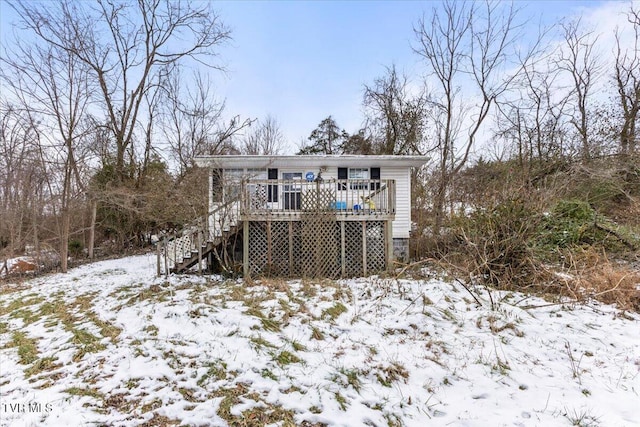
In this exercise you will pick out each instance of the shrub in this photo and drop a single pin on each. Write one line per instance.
(75, 248)
(567, 223)
(573, 223)
(496, 243)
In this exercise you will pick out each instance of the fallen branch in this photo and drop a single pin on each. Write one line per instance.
(470, 293)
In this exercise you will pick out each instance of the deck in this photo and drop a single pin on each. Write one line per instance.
(293, 200)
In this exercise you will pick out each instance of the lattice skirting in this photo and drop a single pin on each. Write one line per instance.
(316, 247)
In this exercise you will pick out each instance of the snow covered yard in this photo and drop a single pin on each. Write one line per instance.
(110, 344)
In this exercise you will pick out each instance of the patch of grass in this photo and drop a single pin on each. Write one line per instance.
(284, 305)
(230, 397)
(27, 347)
(216, 370)
(315, 410)
(270, 325)
(19, 303)
(107, 330)
(582, 418)
(349, 377)
(26, 315)
(83, 305)
(387, 375)
(501, 366)
(132, 383)
(41, 365)
(342, 402)
(87, 342)
(154, 292)
(84, 302)
(286, 358)
(298, 346)
(4, 328)
(334, 311)
(50, 379)
(238, 293)
(316, 334)
(151, 406)
(161, 421)
(151, 330)
(55, 307)
(261, 342)
(393, 420)
(187, 394)
(121, 402)
(90, 392)
(308, 290)
(266, 373)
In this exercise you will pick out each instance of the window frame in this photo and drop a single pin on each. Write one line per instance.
(359, 185)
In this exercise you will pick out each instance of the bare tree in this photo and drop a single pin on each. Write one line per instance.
(20, 181)
(190, 119)
(395, 117)
(533, 116)
(265, 138)
(54, 83)
(127, 47)
(466, 46)
(579, 59)
(627, 81)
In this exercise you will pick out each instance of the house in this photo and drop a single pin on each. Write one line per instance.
(302, 216)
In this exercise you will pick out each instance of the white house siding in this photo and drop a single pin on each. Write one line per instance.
(391, 167)
(402, 224)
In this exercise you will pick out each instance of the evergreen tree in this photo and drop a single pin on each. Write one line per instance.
(327, 138)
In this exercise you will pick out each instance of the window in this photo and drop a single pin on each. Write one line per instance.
(364, 174)
(359, 174)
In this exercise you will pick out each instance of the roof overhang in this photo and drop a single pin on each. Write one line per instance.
(316, 161)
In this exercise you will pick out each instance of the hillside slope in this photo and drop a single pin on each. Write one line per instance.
(109, 343)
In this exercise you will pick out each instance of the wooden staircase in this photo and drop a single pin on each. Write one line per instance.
(180, 252)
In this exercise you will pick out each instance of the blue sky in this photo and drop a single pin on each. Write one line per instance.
(301, 61)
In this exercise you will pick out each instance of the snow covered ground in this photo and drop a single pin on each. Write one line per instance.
(110, 344)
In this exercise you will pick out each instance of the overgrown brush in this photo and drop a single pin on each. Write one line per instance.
(493, 246)
(515, 243)
(590, 274)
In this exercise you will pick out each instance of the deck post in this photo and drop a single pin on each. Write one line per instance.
(388, 227)
(269, 245)
(364, 248)
(245, 250)
(291, 273)
(343, 250)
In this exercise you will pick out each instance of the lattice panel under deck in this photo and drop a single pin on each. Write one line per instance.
(319, 248)
(312, 248)
(279, 257)
(258, 246)
(353, 248)
(376, 247)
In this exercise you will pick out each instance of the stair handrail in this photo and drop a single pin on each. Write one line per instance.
(189, 234)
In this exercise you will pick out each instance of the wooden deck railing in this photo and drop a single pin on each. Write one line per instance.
(172, 249)
(351, 197)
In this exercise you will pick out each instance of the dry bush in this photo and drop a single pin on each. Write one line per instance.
(594, 276)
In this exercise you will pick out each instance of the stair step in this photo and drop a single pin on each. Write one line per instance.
(190, 259)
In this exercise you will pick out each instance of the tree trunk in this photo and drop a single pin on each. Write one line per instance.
(92, 228)
(64, 240)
